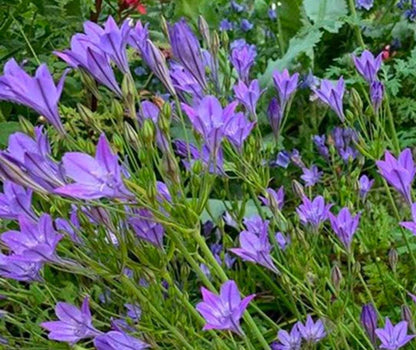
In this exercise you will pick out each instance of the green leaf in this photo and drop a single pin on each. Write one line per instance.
(6, 129)
(300, 44)
(326, 13)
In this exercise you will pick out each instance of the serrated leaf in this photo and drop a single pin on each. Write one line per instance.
(6, 129)
(298, 45)
(326, 13)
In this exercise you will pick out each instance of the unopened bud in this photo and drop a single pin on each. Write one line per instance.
(369, 321)
(215, 46)
(118, 142)
(164, 26)
(393, 258)
(224, 38)
(197, 167)
(85, 113)
(204, 30)
(356, 101)
(148, 131)
(129, 90)
(26, 125)
(407, 316)
(298, 189)
(131, 136)
(117, 109)
(336, 277)
(90, 83)
(171, 168)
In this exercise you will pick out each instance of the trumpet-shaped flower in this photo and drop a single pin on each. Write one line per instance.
(369, 321)
(313, 212)
(39, 92)
(400, 172)
(147, 228)
(288, 341)
(248, 95)
(364, 185)
(393, 337)
(345, 225)
(223, 311)
(15, 201)
(94, 177)
(26, 271)
(117, 340)
(286, 85)
(332, 95)
(368, 65)
(312, 331)
(74, 324)
(242, 58)
(238, 129)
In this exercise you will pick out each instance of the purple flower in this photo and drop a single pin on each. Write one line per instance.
(282, 240)
(210, 120)
(235, 6)
(117, 340)
(364, 185)
(311, 176)
(369, 321)
(272, 12)
(85, 54)
(255, 245)
(94, 177)
(400, 172)
(274, 199)
(313, 212)
(183, 81)
(242, 58)
(296, 158)
(344, 139)
(282, 160)
(288, 341)
(39, 92)
(393, 337)
(246, 25)
(16, 269)
(275, 116)
(223, 311)
(147, 228)
(28, 162)
(134, 312)
(286, 85)
(238, 129)
(151, 55)
(364, 4)
(248, 95)
(411, 225)
(332, 95)
(35, 242)
(187, 50)
(345, 225)
(163, 193)
(226, 25)
(74, 324)
(367, 65)
(15, 201)
(312, 331)
(376, 94)
(320, 145)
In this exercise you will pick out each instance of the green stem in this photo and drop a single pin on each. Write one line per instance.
(356, 27)
(396, 143)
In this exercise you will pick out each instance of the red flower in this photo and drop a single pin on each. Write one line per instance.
(136, 4)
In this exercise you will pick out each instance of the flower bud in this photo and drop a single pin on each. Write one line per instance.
(369, 321)
(407, 316)
(171, 168)
(131, 136)
(85, 113)
(224, 38)
(298, 189)
(336, 277)
(148, 131)
(393, 259)
(164, 26)
(26, 125)
(215, 46)
(117, 109)
(356, 101)
(90, 83)
(204, 30)
(129, 90)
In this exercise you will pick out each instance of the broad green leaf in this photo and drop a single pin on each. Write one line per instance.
(300, 44)
(326, 13)
(6, 129)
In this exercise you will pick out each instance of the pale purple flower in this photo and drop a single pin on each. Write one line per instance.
(332, 95)
(376, 94)
(94, 177)
(187, 50)
(16, 269)
(275, 116)
(313, 212)
(344, 140)
(272, 12)
(285, 85)
(255, 245)
(242, 58)
(85, 54)
(400, 172)
(321, 146)
(15, 201)
(282, 160)
(146, 228)
(134, 312)
(163, 193)
(282, 240)
(369, 321)
(411, 225)
(364, 185)
(151, 55)
(312, 331)
(35, 242)
(74, 324)
(235, 6)
(364, 4)
(246, 25)
(274, 199)
(311, 176)
(226, 25)
(210, 120)
(296, 158)
(118, 340)
(248, 95)
(183, 81)
(345, 225)
(393, 337)
(368, 65)
(288, 341)
(238, 129)
(223, 311)
(39, 92)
